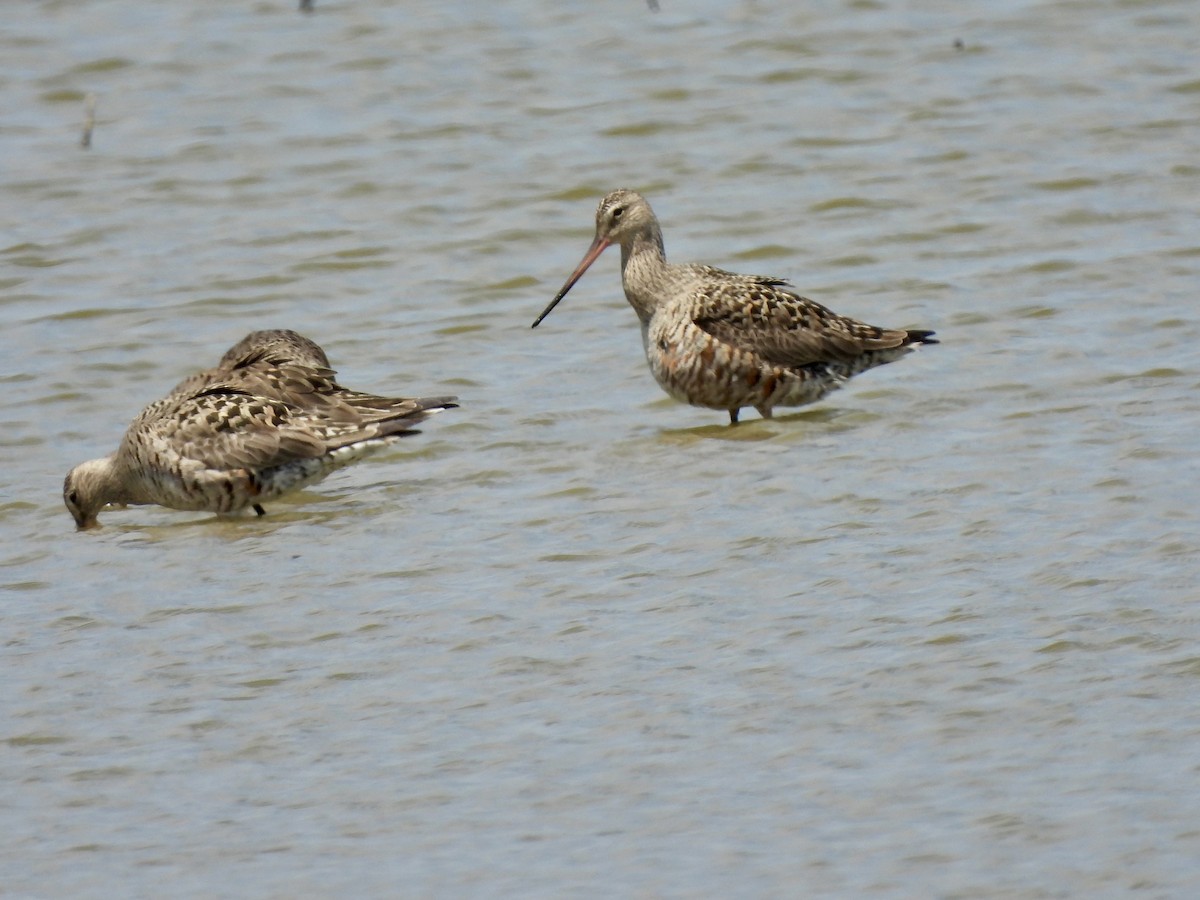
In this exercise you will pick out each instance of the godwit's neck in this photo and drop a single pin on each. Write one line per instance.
(643, 270)
(109, 480)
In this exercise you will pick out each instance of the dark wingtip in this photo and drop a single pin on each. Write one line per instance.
(437, 403)
(921, 337)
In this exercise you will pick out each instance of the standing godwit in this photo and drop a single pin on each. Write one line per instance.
(269, 419)
(721, 340)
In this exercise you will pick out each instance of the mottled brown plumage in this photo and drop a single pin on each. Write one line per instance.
(284, 365)
(725, 341)
(268, 419)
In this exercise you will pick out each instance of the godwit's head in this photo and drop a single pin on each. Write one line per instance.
(86, 491)
(622, 218)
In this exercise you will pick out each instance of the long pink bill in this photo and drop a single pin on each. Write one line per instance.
(594, 251)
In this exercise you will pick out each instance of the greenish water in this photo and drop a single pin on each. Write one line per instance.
(935, 636)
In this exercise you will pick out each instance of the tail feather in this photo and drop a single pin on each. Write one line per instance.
(437, 404)
(419, 409)
(919, 337)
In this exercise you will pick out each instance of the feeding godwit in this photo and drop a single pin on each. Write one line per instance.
(269, 419)
(721, 340)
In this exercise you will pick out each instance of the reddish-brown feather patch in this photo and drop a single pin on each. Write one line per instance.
(251, 483)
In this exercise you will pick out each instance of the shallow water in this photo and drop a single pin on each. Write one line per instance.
(932, 637)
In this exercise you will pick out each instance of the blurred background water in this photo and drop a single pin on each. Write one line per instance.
(935, 636)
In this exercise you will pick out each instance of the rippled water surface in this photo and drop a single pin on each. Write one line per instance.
(935, 636)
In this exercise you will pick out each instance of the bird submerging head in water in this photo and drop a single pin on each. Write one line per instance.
(725, 341)
(268, 419)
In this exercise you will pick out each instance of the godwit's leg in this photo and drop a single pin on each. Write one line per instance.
(733, 416)
(258, 509)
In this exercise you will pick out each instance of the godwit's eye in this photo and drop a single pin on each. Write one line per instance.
(617, 211)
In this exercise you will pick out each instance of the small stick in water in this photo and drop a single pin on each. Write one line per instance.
(306, 5)
(89, 121)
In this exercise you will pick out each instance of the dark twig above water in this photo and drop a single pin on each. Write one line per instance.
(89, 121)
